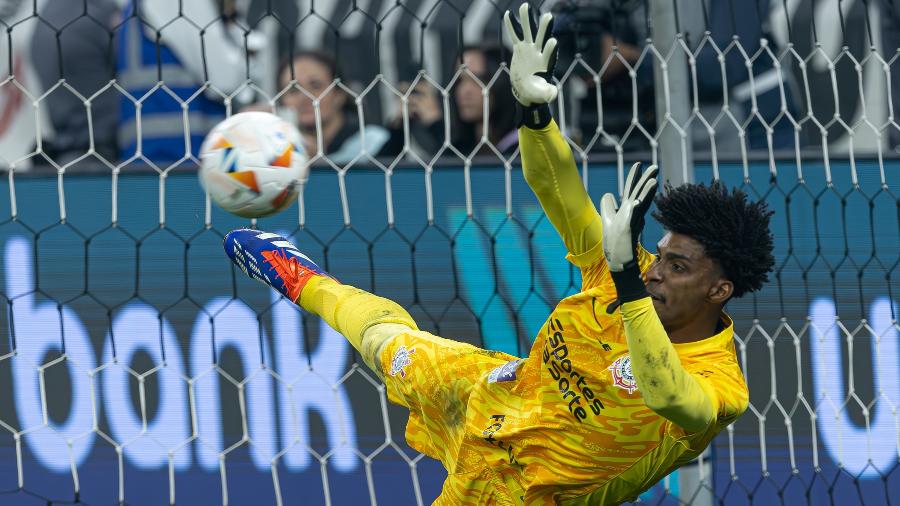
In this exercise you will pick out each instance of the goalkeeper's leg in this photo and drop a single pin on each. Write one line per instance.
(369, 322)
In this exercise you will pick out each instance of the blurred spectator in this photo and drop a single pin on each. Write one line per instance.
(84, 56)
(890, 45)
(742, 22)
(467, 125)
(426, 118)
(426, 125)
(341, 135)
(285, 13)
(19, 121)
(184, 60)
(607, 34)
(594, 28)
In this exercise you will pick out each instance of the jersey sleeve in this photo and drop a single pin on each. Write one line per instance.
(725, 386)
(550, 171)
(668, 387)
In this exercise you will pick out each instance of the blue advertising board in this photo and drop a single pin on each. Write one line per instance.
(137, 364)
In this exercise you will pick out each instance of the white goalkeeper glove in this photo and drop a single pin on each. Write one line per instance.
(622, 225)
(533, 59)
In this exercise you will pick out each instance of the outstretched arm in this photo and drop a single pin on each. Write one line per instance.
(551, 173)
(668, 389)
(547, 160)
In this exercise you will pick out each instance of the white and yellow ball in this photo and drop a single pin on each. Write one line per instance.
(252, 164)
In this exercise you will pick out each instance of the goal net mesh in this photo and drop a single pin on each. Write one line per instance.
(137, 366)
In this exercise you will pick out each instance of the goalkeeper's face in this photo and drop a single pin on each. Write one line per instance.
(685, 283)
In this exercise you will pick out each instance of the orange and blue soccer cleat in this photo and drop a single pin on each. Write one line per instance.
(272, 259)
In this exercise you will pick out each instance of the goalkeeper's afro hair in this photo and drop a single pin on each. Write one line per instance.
(733, 231)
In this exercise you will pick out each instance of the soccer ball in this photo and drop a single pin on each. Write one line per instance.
(252, 163)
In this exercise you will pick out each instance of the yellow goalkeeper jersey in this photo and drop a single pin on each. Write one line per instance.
(583, 433)
(567, 424)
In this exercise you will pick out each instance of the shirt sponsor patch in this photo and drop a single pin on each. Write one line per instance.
(621, 374)
(506, 372)
(402, 358)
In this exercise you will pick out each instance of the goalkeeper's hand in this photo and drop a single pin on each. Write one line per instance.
(622, 225)
(533, 59)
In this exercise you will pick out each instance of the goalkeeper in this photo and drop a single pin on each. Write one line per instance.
(627, 380)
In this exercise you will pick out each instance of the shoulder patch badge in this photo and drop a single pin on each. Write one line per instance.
(506, 372)
(621, 374)
(402, 358)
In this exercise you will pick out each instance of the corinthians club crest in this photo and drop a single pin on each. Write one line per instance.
(402, 358)
(621, 374)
